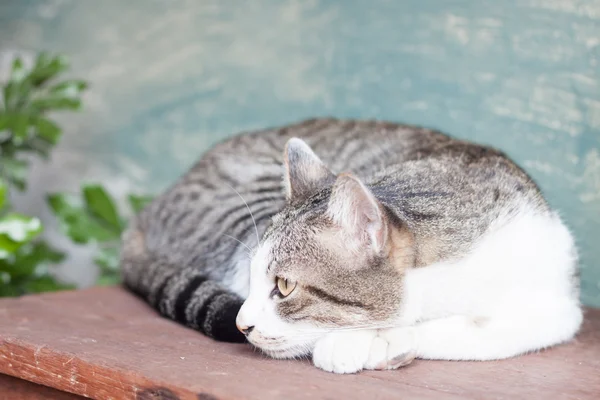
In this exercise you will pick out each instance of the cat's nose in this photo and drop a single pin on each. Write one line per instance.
(245, 329)
(244, 320)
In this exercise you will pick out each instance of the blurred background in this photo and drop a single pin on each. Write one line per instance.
(169, 78)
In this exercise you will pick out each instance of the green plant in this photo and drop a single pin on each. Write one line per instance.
(26, 131)
(89, 218)
(93, 218)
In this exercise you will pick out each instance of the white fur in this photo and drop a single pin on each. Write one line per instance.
(343, 352)
(237, 279)
(513, 294)
(271, 334)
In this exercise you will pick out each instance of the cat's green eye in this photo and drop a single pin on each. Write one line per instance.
(285, 287)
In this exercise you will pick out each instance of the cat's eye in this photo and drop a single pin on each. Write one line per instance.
(285, 287)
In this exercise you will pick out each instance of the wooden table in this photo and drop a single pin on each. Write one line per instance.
(104, 343)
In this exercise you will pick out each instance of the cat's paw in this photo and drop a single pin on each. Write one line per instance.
(343, 352)
(392, 349)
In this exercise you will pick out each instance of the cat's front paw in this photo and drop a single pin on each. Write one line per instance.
(392, 349)
(343, 352)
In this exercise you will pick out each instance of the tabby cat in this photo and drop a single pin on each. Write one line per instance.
(365, 244)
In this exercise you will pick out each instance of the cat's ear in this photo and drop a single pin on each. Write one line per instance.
(353, 207)
(305, 173)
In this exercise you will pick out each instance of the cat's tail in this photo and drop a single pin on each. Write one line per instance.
(181, 294)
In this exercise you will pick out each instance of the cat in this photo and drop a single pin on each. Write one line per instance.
(364, 244)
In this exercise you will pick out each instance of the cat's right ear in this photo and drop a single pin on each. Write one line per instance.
(305, 173)
(354, 208)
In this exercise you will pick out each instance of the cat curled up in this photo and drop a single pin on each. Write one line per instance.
(363, 244)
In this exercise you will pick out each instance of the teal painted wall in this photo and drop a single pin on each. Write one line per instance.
(172, 77)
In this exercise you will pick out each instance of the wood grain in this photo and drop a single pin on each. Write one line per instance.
(17, 389)
(105, 343)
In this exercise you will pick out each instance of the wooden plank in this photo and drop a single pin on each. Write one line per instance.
(18, 389)
(104, 343)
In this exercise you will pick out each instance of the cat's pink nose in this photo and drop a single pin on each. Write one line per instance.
(244, 329)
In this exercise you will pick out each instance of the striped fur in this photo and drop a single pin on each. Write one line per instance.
(184, 254)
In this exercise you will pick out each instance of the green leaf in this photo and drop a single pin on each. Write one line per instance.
(8, 247)
(31, 258)
(77, 223)
(39, 146)
(16, 94)
(4, 121)
(109, 279)
(55, 103)
(45, 284)
(18, 72)
(20, 228)
(3, 194)
(4, 132)
(9, 290)
(64, 204)
(8, 93)
(47, 67)
(17, 89)
(19, 124)
(108, 259)
(71, 88)
(42, 59)
(138, 203)
(42, 251)
(15, 171)
(16, 230)
(47, 130)
(100, 205)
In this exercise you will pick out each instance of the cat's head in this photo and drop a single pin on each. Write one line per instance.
(332, 259)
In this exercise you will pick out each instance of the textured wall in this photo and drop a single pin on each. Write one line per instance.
(172, 77)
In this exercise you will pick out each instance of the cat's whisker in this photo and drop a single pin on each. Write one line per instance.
(240, 242)
(250, 211)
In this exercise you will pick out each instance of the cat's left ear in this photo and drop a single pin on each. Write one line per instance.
(305, 173)
(353, 207)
